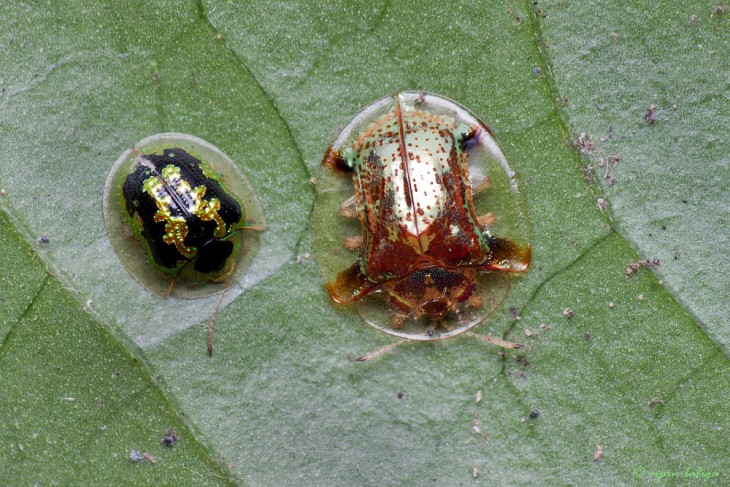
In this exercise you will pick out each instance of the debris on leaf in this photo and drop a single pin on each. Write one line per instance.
(149, 457)
(585, 144)
(135, 456)
(635, 266)
(649, 116)
(718, 9)
(598, 454)
(170, 438)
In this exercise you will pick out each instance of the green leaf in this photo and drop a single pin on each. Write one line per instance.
(75, 406)
(639, 372)
(668, 192)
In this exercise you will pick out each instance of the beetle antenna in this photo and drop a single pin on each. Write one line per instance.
(381, 351)
(172, 284)
(174, 278)
(211, 324)
(495, 341)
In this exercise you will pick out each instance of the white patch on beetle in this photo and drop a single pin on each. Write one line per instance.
(421, 185)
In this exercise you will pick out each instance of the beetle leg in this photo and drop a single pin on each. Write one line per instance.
(475, 301)
(479, 183)
(254, 226)
(349, 285)
(397, 320)
(487, 220)
(349, 207)
(352, 243)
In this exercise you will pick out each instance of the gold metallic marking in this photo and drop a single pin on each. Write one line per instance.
(175, 199)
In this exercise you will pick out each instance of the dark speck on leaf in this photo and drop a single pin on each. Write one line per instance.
(170, 438)
(649, 115)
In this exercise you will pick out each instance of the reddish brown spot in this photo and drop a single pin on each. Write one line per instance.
(507, 256)
(335, 161)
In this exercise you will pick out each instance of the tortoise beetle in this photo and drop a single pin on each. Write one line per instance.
(426, 244)
(177, 212)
